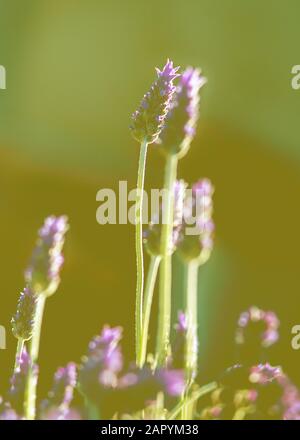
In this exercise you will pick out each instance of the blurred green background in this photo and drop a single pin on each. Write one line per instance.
(75, 73)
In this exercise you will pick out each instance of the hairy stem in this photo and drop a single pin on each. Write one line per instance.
(139, 251)
(149, 289)
(165, 276)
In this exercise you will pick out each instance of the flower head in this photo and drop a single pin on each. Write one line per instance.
(100, 367)
(264, 374)
(23, 320)
(180, 127)
(42, 274)
(253, 315)
(148, 120)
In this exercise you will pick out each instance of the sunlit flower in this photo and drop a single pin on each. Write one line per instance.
(148, 120)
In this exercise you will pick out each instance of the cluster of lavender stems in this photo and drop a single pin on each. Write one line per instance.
(167, 117)
(42, 278)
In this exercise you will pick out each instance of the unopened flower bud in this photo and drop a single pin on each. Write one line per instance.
(23, 320)
(148, 120)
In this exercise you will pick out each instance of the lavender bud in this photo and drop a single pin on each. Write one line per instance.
(23, 320)
(148, 120)
(42, 274)
(152, 236)
(180, 125)
(198, 209)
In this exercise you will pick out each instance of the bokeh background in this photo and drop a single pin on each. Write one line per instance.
(75, 73)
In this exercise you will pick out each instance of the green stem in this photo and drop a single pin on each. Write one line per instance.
(31, 383)
(165, 279)
(19, 350)
(149, 289)
(139, 250)
(191, 354)
(93, 412)
(191, 288)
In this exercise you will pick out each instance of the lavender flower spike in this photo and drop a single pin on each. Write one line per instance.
(23, 320)
(148, 120)
(100, 367)
(42, 274)
(180, 125)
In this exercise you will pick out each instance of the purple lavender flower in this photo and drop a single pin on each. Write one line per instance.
(196, 235)
(148, 120)
(180, 127)
(152, 236)
(256, 315)
(42, 274)
(61, 395)
(264, 373)
(100, 368)
(23, 320)
(172, 381)
(169, 380)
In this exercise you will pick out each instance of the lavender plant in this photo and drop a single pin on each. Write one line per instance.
(147, 123)
(161, 385)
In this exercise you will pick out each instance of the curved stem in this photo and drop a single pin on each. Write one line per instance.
(165, 279)
(139, 249)
(19, 350)
(31, 382)
(149, 289)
